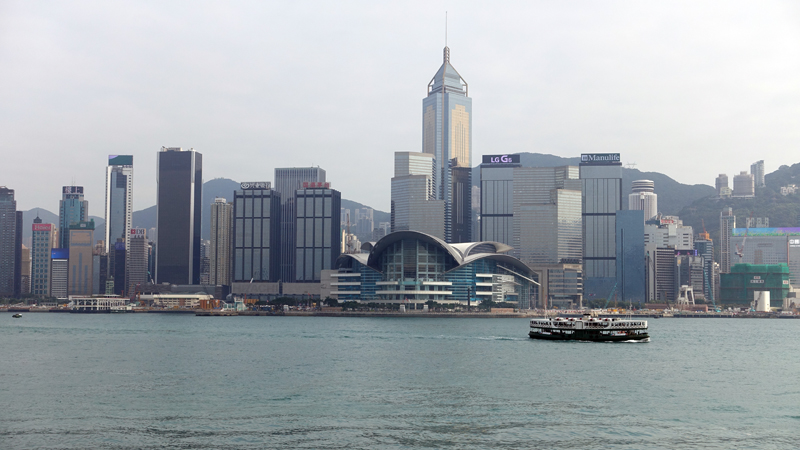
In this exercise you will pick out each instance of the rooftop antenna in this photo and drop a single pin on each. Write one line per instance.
(445, 28)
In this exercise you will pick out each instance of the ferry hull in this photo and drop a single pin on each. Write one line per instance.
(588, 335)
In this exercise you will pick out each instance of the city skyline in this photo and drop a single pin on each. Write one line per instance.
(658, 80)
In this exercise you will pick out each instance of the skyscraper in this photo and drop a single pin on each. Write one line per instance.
(119, 200)
(497, 198)
(414, 205)
(72, 209)
(318, 230)
(220, 252)
(256, 233)
(136, 260)
(10, 245)
(81, 266)
(287, 182)
(757, 170)
(727, 222)
(179, 208)
(743, 185)
(547, 215)
(447, 135)
(643, 197)
(42, 242)
(601, 178)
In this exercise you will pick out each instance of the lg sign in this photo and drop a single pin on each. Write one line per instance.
(501, 159)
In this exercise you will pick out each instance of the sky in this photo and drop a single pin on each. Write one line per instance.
(687, 88)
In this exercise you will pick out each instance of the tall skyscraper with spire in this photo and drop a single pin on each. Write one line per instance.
(447, 135)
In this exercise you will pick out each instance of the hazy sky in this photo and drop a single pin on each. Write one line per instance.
(691, 89)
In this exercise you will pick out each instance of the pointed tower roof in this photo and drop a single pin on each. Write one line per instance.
(448, 79)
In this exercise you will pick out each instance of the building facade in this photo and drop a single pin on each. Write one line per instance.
(631, 262)
(81, 266)
(413, 268)
(644, 198)
(497, 198)
(136, 261)
(722, 185)
(705, 248)
(43, 240)
(414, 204)
(59, 273)
(743, 185)
(601, 179)
(10, 245)
(221, 242)
(72, 209)
(119, 200)
(179, 210)
(757, 170)
(727, 222)
(256, 233)
(447, 135)
(317, 243)
(287, 182)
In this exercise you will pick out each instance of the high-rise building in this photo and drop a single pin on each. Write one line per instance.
(669, 232)
(722, 185)
(705, 248)
(601, 178)
(8, 237)
(220, 248)
(643, 197)
(81, 266)
(497, 198)
(257, 231)
(414, 204)
(10, 244)
(727, 222)
(25, 271)
(43, 240)
(136, 261)
(287, 182)
(179, 209)
(743, 185)
(72, 209)
(757, 170)
(317, 241)
(119, 200)
(205, 261)
(118, 270)
(630, 257)
(447, 135)
(59, 273)
(547, 215)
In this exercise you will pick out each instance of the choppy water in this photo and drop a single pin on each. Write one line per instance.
(177, 381)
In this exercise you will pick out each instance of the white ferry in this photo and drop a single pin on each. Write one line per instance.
(589, 328)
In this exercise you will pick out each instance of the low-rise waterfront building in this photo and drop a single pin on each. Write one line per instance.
(410, 267)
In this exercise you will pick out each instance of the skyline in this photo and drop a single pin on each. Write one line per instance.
(254, 87)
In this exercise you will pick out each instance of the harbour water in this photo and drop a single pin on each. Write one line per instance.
(179, 381)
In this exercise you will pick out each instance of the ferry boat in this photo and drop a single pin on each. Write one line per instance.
(589, 328)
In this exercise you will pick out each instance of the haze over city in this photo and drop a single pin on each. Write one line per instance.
(256, 86)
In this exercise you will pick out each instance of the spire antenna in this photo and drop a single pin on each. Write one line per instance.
(445, 28)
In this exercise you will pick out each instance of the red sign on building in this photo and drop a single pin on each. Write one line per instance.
(42, 227)
(316, 184)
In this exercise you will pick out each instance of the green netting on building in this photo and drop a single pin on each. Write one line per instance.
(738, 286)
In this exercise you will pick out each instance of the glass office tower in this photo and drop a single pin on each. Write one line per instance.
(414, 207)
(287, 182)
(601, 180)
(447, 135)
(10, 244)
(318, 231)
(72, 209)
(256, 233)
(180, 184)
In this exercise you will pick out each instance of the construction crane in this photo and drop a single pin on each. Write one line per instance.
(610, 295)
(704, 234)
